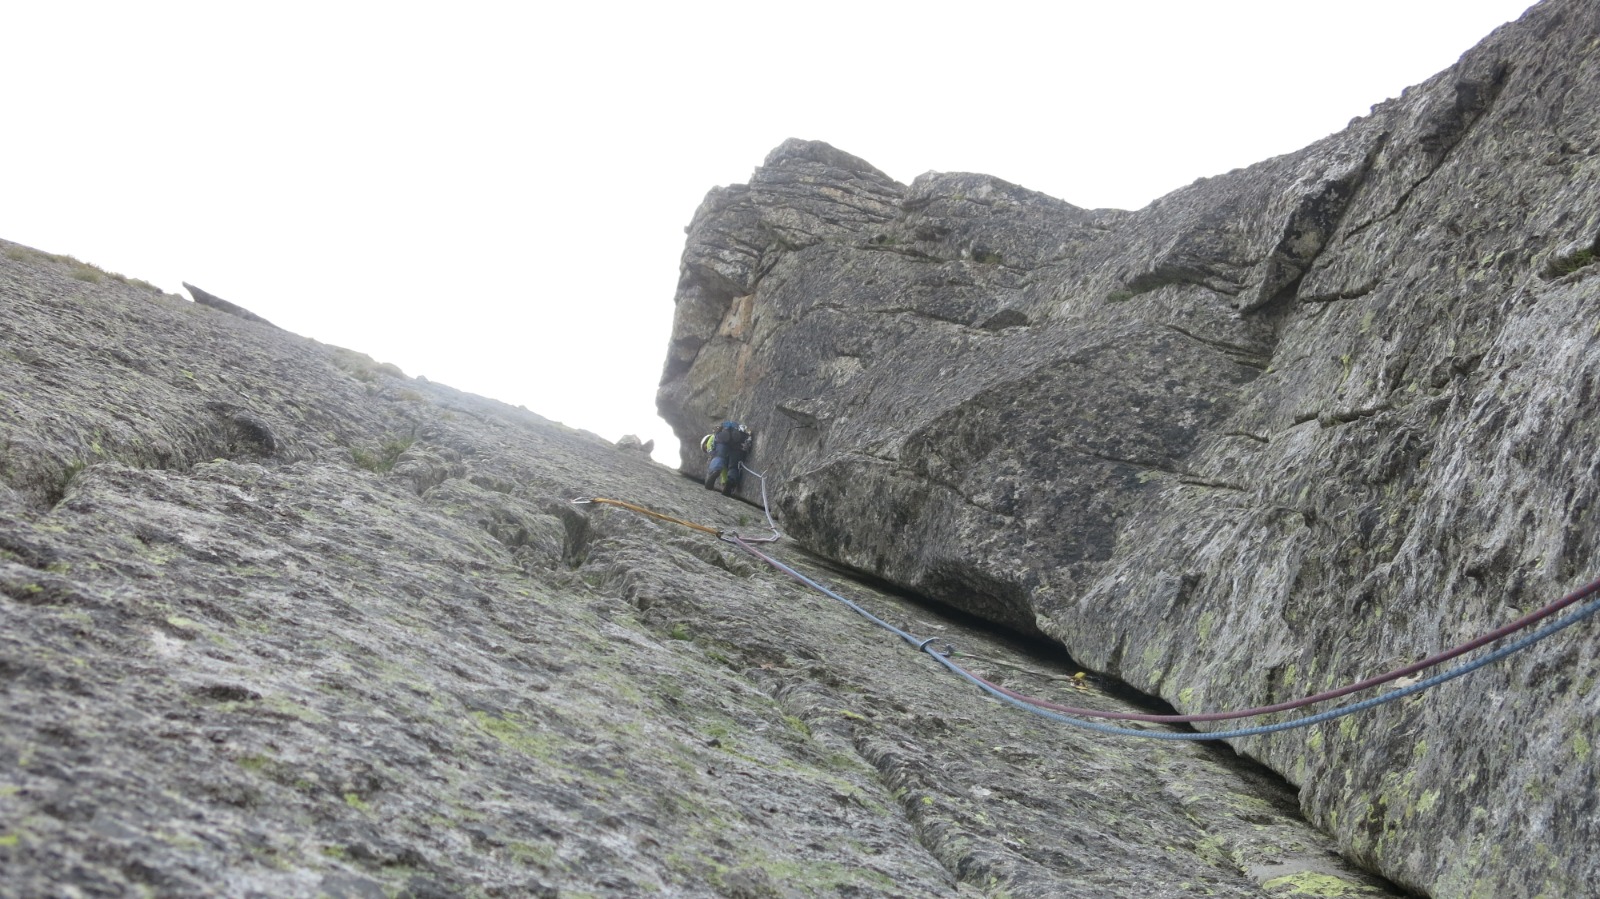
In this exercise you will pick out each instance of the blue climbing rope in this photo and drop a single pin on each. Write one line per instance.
(765, 510)
(1034, 706)
(1581, 613)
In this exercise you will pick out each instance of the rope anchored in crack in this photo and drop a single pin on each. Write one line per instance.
(1074, 716)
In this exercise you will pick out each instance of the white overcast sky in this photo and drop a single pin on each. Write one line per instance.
(493, 195)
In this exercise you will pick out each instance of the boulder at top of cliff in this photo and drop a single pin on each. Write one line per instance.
(218, 303)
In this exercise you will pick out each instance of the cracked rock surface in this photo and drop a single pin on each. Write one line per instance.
(1280, 430)
(278, 621)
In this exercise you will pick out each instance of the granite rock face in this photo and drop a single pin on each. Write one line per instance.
(276, 620)
(1278, 431)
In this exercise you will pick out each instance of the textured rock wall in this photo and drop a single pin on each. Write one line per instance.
(1279, 430)
(278, 621)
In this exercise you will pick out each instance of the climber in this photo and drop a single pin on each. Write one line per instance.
(728, 446)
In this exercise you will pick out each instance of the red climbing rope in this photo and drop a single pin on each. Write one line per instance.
(1413, 668)
(1421, 665)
